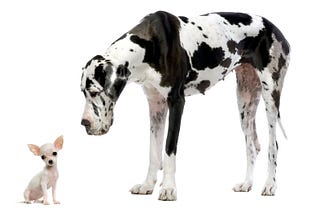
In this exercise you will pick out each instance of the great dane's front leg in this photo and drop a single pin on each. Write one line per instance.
(168, 191)
(158, 110)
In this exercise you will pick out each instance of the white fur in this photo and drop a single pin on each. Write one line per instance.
(48, 177)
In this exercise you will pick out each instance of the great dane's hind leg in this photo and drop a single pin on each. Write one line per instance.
(158, 110)
(248, 93)
(272, 78)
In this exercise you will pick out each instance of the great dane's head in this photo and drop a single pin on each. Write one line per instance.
(102, 82)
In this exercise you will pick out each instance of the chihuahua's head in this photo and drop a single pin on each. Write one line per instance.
(48, 152)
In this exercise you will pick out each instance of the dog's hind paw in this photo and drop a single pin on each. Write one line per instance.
(243, 187)
(168, 194)
(142, 189)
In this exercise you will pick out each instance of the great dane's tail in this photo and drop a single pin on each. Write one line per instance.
(282, 128)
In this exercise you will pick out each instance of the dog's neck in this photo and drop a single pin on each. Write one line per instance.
(125, 52)
(51, 168)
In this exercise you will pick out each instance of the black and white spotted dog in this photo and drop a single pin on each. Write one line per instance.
(174, 57)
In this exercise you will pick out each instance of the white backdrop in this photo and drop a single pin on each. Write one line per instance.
(44, 45)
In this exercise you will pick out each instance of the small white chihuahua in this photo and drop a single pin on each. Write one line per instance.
(47, 178)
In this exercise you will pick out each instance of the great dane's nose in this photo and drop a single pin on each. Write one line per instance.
(85, 123)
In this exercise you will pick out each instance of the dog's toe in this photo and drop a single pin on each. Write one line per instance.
(168, 194)
(269, 190)
(243, 187)
(142, 189)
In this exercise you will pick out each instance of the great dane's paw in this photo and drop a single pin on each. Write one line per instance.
(269, 189)
(243, 187)
(168, 194)
(142, 189)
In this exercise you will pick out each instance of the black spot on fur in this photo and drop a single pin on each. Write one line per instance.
(123, 71)
(276, 76)
(200, 28)
(117, 88)
(281, 62)
(184, 19)
(103, 101)
(276, 73)
(264, 83)
(100, 75)
(279, 36)
(242, 115)
(192, 75)
(236, 18)
(95, 109)
(226, 63)
(203, 85)
(232, 46)
(193, 23)
(163, 47)
(276, 98)
(260, 46)
(97, 57)
(255, 50)
(152, 54)
(175, 104)
(205, 36)
(207, 57)
(131, 50)
(88, 83)
(224, 72)
(110, 107)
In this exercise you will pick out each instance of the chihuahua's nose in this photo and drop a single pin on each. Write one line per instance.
(50, 162)
(85, 123)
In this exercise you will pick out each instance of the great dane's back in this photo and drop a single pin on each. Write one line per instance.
(173, 57)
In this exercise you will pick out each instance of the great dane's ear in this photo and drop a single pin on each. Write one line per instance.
(102, 75)
(123, 71)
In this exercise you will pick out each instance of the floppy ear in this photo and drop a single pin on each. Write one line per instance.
(58, 143)
(34, 149)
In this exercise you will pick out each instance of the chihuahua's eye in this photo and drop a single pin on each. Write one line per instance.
(54, 153)
(43, 157)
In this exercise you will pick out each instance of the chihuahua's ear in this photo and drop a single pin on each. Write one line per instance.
(58, 143)
(34, 149)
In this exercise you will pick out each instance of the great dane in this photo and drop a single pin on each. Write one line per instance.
(175, 56)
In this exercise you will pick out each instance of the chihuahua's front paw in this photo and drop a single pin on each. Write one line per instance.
(56, 202)
(46, 203)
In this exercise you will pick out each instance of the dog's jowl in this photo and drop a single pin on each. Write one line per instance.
(175, 56)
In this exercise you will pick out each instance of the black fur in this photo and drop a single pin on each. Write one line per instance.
(165, 54)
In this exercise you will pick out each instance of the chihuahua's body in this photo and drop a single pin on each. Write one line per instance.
(47, 178)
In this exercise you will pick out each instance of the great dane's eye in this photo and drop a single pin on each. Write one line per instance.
(43, 157)
(93, 94)
(54, 153)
